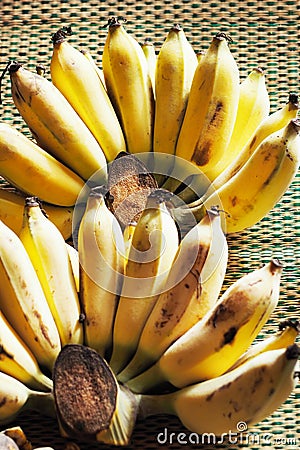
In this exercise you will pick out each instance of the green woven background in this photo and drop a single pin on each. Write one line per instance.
(264, 33)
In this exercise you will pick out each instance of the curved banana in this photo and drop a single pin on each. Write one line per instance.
(274, 122)
(129, 86)
(12, 204)
(101, 258)
(175, 68)
(32, 170)
(253, 108)
(245, 395)
(15, 398)
(18, 361)
(153, 248)
(261, 182)
(192, 288)
(213, 344)
(206, 129)
(80, 84)
(49, 256)
(285, 336)
(151, 58)
(56, 126)
(23, 302)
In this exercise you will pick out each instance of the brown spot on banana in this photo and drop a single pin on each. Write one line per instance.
(216, 115)
(253, 141)
(201, 155)
(234, 200)
(227, 309)
(3, 402)
(229, 335)
(43, 329)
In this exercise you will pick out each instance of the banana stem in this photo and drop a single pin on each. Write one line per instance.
(42, 402)
(150, 405)
(147, 380)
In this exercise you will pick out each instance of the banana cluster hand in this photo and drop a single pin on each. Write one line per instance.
(148, 301)
(188, 111)
(146, 297)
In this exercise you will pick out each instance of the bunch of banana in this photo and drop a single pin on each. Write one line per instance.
(188, 111)
(137, 307)
(152, 251)
(192, 287)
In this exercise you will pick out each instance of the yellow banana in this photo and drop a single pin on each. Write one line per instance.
(74, 260)
(151, 58)
(274, 122)
(212, 345)
(49, 256)
(56, 126)
(101, 258)
(240, 398)
(91, 59)
(176, 64)
(15, 398)
(153, 248)
(32, 170)
(127, 236)
(12, 207)
(253, 108)
(18, 361)
(192, 288)
(129, 86)
(80, 84)
(285, 336)
(23, 302)
(212, 107)
(261, 182)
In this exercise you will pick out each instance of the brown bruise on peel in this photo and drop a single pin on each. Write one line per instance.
(43, 329)
(201, 155)
(227, 310)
